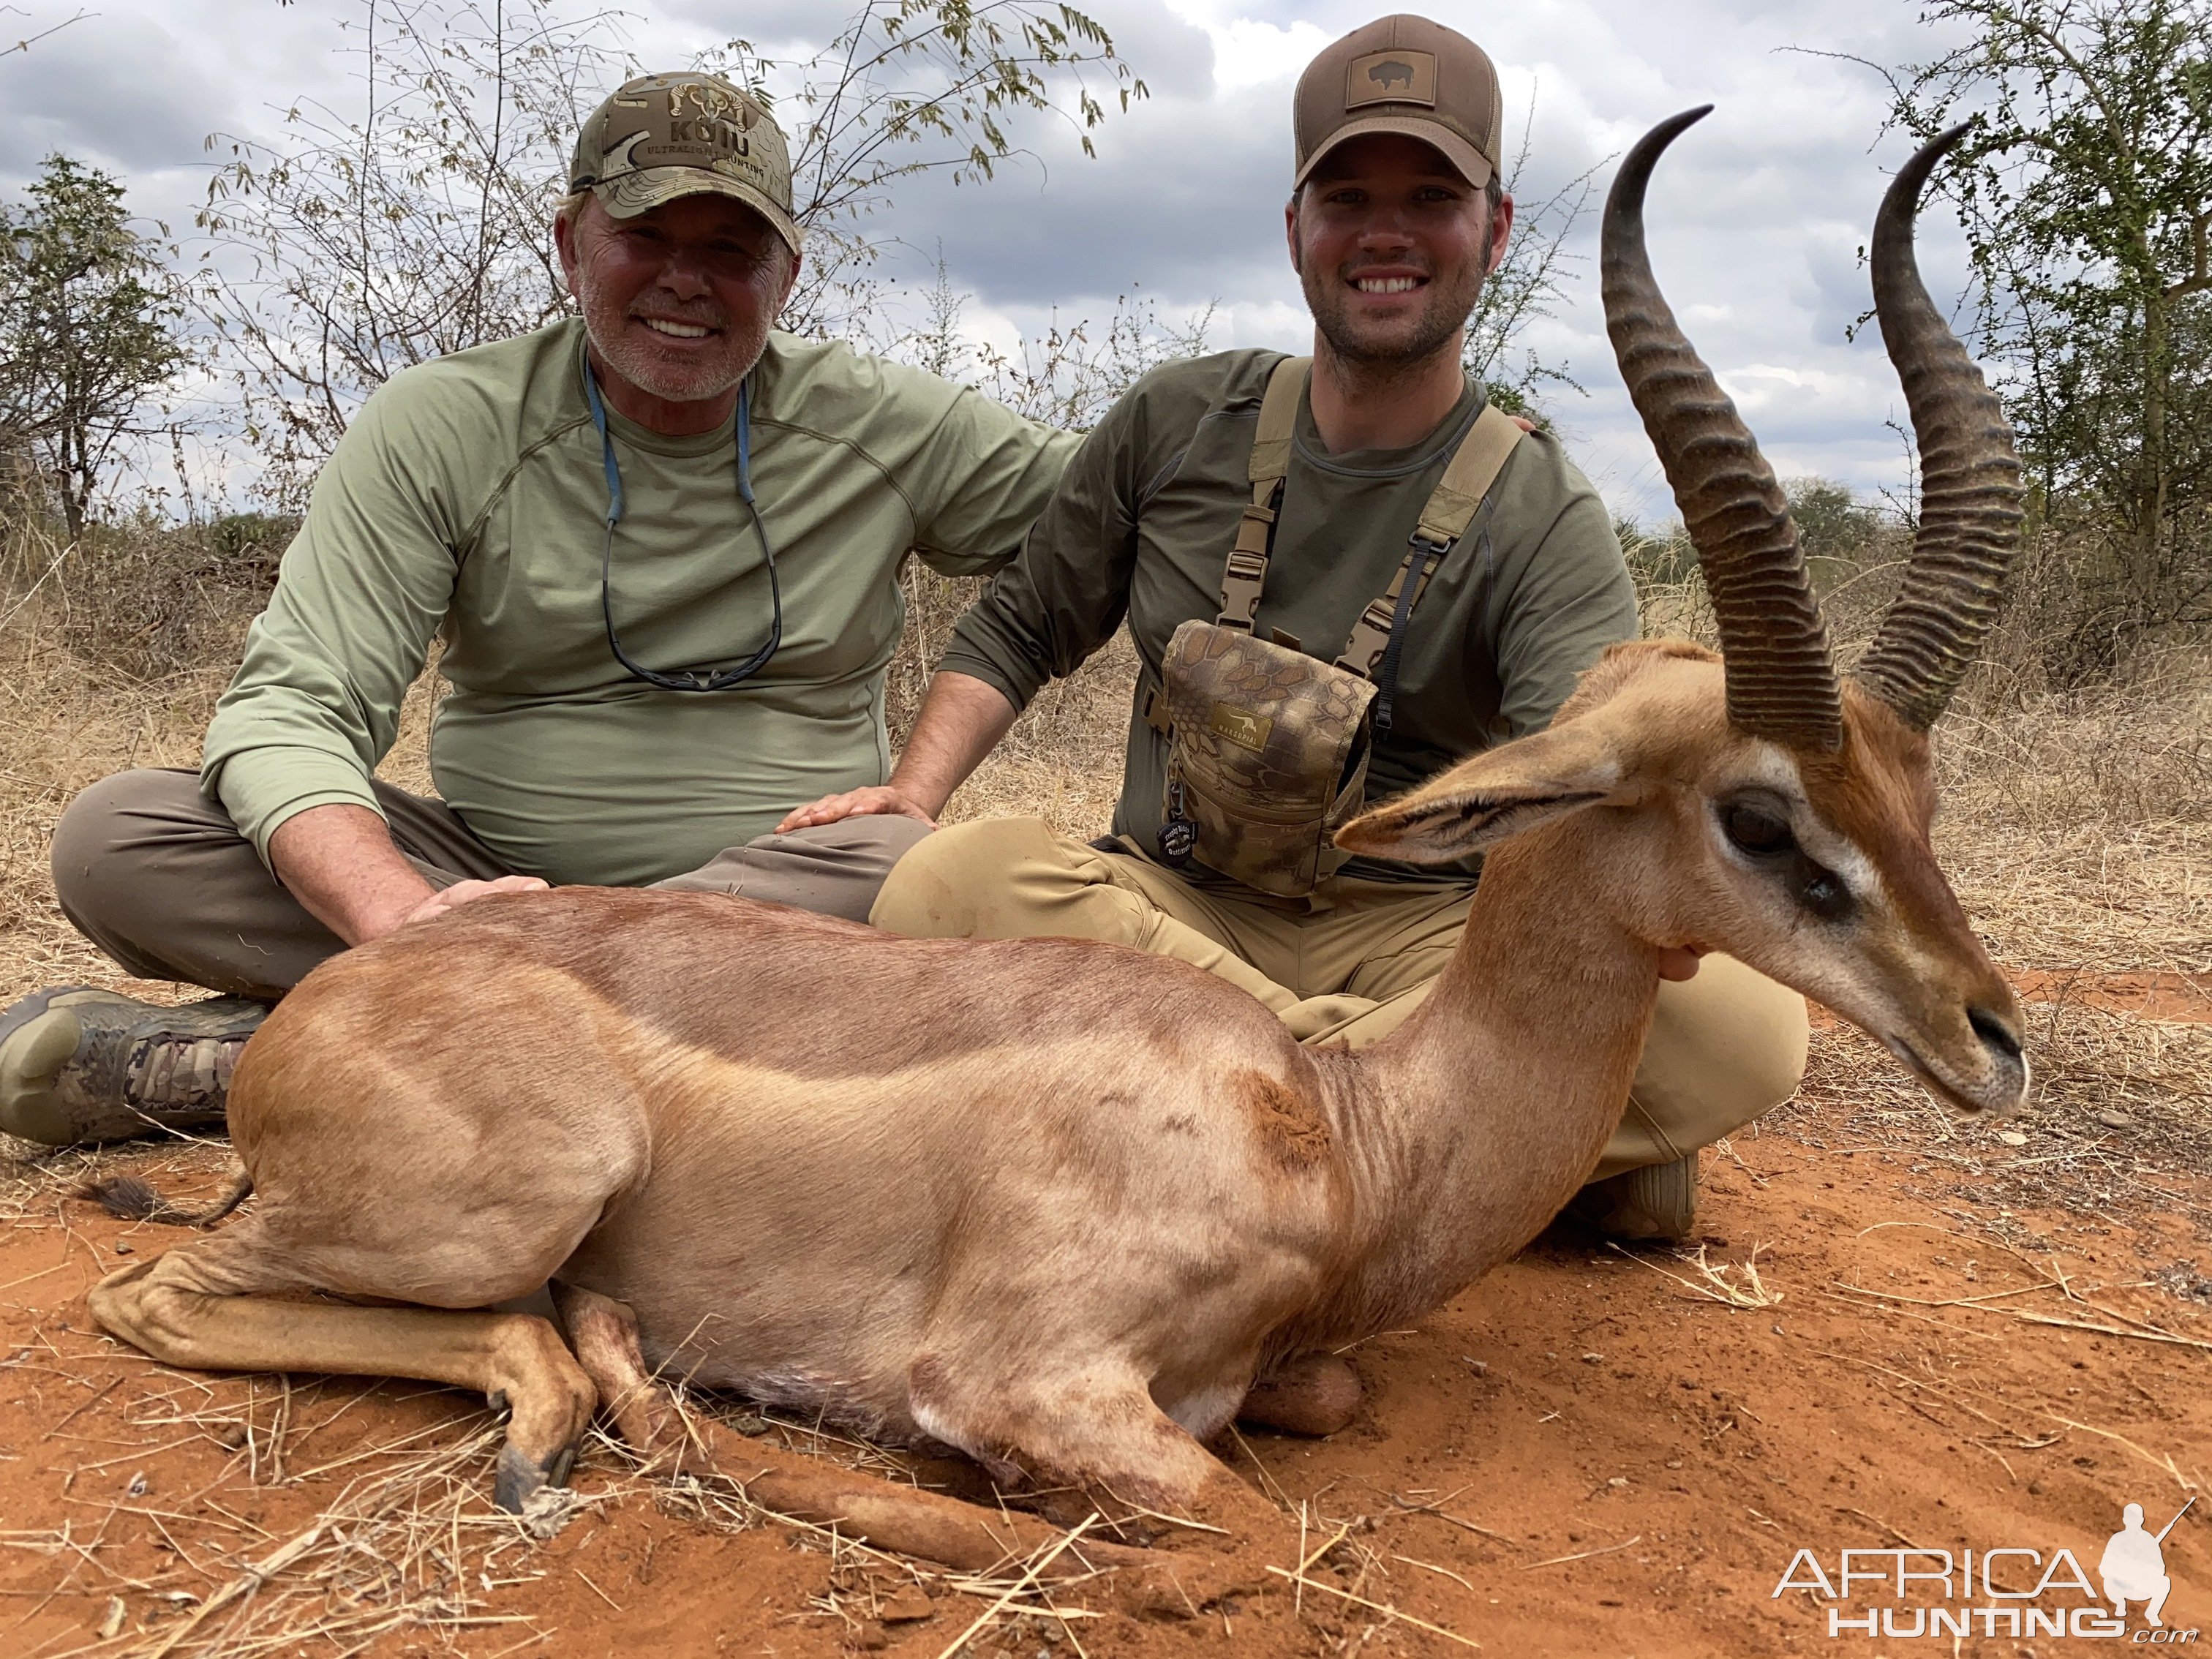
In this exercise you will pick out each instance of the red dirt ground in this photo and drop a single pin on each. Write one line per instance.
(2171, 996)
(1576, 1404)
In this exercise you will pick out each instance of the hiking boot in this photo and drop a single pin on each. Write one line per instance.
(79, 1067)
(1656, 1204)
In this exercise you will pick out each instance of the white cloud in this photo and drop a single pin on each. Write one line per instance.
(1250, 52)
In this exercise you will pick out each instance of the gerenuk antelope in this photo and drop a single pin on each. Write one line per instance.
(1067, 1207)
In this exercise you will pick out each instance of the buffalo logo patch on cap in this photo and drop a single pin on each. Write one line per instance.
(1403, 74)
(1392, 77)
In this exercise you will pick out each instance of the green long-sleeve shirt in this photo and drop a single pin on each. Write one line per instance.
(469, 499)
(1144, 520)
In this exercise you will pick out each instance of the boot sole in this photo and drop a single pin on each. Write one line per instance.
(35, 1043)
(33, 1048)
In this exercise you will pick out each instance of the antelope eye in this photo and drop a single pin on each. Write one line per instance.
(1757, 831)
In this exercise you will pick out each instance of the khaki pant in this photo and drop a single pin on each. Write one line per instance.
(158, 877)
(1351, 963)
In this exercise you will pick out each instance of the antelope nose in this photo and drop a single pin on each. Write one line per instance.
(1997, 1033)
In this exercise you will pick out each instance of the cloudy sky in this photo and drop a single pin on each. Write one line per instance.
(1757, 216)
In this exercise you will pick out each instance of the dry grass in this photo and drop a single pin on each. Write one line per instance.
(2150, 1076)
(1062, 761)
(2079, 829)
(64, 724)
(412, 1541)
(1738, 1285)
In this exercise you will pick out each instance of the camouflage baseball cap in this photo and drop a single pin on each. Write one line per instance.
(665, 136)
(1404, 75)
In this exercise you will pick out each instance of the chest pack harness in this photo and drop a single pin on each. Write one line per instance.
(1268, 747)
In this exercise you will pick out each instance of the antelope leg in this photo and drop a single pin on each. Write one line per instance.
(166, 1308)
(603, 1333)
(1088, 1430)
(1314, 1394)
(1110, 1441)
(866, 1507)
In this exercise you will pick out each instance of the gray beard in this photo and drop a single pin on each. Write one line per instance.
(636, 364)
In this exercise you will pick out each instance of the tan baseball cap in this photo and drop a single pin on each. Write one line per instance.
(1404, 75)
(661, 136)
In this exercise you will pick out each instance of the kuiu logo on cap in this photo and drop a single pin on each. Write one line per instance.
(711, 102)
(681, 121)
(727, 146)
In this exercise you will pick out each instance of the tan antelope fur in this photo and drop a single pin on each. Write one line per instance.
(1062, 1206)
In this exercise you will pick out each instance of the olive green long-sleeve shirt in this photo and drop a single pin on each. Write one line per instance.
(1146, 515)
(469, 500)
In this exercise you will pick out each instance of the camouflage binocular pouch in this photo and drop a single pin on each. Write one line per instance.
(1267, 746)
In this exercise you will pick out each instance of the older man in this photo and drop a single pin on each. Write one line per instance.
(660, 544)
(1366, 508)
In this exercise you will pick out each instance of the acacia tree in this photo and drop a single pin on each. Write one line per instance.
(411, 226)
(418, 223)
(90, 330)
(2086, 189)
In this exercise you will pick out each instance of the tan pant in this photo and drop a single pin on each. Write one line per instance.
(158, 877)
(1351, 963)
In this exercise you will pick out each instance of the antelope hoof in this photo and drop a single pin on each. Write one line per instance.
(520, 1475)
(1314, 1394)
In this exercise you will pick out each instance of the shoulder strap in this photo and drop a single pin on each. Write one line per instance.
(1278, 419)
(1247, 571)
(1481, 456)
(1475, 466)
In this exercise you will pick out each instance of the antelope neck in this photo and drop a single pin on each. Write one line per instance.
(1519, 1060)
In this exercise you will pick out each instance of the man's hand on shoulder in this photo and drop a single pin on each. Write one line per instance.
(886, 798)
(461, 892)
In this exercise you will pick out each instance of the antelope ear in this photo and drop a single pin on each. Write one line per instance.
(1500, 793)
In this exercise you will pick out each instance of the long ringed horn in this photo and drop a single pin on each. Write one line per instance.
(1970, 487)
(1781, 681)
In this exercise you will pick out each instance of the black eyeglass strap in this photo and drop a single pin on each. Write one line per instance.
(685, 679)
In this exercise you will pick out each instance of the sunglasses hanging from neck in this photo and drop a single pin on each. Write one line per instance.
(685, 679)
